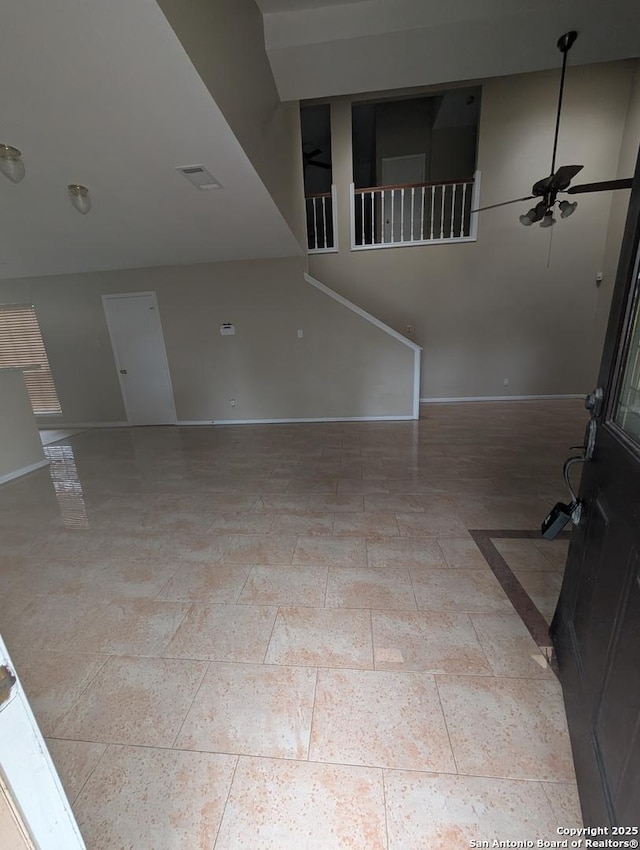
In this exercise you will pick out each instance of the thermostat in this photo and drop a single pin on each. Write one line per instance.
(227, 329)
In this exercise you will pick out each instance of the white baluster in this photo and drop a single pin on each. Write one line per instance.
(315, 224)
(453, 207)
(324, 220)
(463, 208)
(442, 212)
(393, 209)
(384, 216)
(402, 215)
(433, 195)
(362, 222)
(373, 241)
(412, 210)
(422, 216)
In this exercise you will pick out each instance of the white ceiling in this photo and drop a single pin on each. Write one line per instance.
(102, 93)
(321, 49)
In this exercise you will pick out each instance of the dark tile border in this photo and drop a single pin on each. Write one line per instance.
(525, 607)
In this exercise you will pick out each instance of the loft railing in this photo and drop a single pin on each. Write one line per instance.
(321, 222)
(414, 213)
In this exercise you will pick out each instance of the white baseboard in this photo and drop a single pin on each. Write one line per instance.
(457, 399)
(59, 426)
(294, 421)
(24, 470)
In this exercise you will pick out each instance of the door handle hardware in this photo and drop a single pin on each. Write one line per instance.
(7, 681)
(593, 402)
(123, 371)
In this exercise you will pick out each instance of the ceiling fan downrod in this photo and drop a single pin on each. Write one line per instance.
(565, 43)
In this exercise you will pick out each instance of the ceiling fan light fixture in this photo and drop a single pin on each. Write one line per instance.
(527, 218)
(79, 197)
(567, 208)
(548, 220)
(11, 164)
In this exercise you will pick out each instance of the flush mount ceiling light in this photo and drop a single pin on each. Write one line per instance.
(11, 164)
(79, 197)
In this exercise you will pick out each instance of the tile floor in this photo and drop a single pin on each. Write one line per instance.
(277, 637)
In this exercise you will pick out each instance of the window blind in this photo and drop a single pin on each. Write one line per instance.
(21, 346)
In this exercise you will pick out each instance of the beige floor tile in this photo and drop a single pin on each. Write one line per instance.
(362, 487)
(247, 522)
(473, 591)
(207, 547)
(393, 502)
(330, 552)
(53, 681)
(522, 554)
(321, 637)
(74, 761)
(404, 552)
(303, 523)
(141, 701)
(449, 812)
(250, 549)
(539, 583)
(427, 642)
(366, 524)
(133, 627)
(462, 553)
(205, 583)
(509, 647)
(556, 551)
(431, 524)
(224, 633)
(252, 709)
(369, 588)
(285, 805)
(281, 504)
(380, 719)
(565, 802)
(509, 728)
(150, 799)
(336, 504)
(285, 586)
(312, 486)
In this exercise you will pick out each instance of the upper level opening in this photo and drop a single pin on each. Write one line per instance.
(414, 161)
(315, 126)
(415, 140)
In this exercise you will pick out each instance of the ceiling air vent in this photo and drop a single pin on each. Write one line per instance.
(199, 176)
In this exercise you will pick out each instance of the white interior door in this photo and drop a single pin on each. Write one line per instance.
(34, 810)
(141, 359)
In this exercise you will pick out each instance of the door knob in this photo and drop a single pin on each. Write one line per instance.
(593, 402)
(123, 371)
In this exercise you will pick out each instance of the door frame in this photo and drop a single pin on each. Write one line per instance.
(29, 775)
(147, 293)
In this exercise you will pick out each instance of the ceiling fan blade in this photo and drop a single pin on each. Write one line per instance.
(542, 187)
(503, 204)
(564, 175)
(602, 186)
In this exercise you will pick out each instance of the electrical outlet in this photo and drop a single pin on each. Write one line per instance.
(300, 333)
(506, 382)
(409, 329)
(232, 402)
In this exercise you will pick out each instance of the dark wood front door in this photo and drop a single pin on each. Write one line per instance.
(596, 629)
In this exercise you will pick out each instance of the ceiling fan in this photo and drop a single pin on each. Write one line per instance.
(548, 188)
(310, 159)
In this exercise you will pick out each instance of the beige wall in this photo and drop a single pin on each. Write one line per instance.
(496, 309)
(342, 367)
(619, 205)
(20, 445)
(225, 41)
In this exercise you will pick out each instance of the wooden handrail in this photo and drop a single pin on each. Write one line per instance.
(460, 181)
(318, 195)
